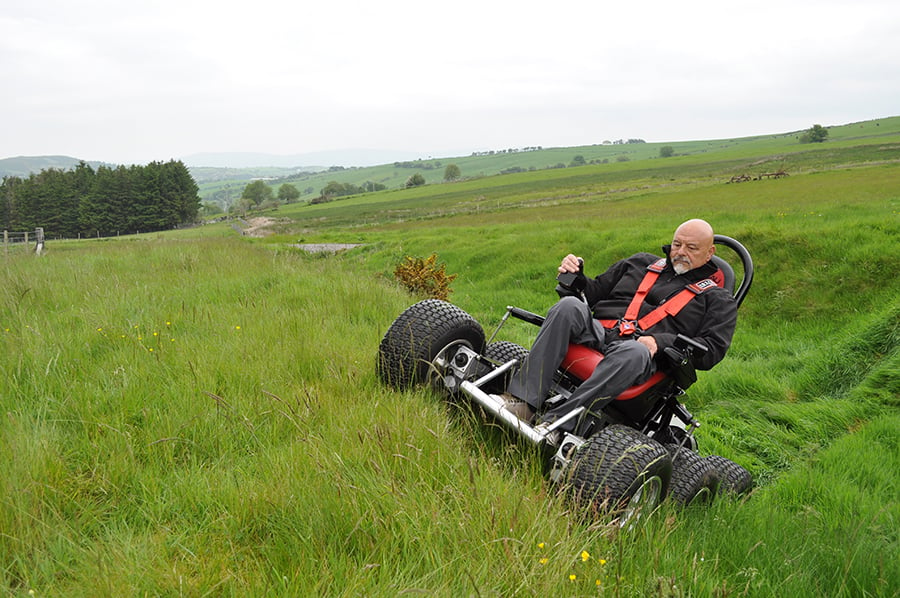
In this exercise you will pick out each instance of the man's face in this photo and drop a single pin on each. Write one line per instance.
(690, 249)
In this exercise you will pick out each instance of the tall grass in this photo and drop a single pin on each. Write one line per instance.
(200, 415)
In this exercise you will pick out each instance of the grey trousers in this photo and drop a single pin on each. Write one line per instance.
(625, 363)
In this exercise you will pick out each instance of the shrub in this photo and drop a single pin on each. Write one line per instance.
(452, 173)
(817, 134)
(424, 277)
(416, 180)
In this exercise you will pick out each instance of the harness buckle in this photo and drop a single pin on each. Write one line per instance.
(627, 327)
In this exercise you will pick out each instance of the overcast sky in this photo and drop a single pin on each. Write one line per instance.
(134, 81)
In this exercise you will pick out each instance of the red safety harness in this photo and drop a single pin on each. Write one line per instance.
(629, 324)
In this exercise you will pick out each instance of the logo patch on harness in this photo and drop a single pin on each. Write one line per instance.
(703, 285)
(657, 266)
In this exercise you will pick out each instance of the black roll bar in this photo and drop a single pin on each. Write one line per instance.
(746, 262)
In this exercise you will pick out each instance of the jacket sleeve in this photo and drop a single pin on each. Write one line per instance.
(715, 329)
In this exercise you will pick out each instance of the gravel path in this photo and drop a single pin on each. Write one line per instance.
(325, 247)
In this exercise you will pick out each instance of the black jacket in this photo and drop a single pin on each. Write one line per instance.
(709, 318)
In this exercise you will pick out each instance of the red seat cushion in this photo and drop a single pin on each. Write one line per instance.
(580, 361)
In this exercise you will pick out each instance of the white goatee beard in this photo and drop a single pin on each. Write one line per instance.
(680, 267)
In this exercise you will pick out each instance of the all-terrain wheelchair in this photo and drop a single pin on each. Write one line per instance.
(640, 449)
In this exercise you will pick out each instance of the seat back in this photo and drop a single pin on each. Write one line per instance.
(725, 276)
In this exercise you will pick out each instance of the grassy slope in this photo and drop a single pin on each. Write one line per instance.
(192, 413)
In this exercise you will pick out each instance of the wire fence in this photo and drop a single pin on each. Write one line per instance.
(24, 241)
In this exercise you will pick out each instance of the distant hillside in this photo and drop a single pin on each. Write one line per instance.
(22, 166)
(222, 176)
(224, 190)
(308, 162)
(212, 174)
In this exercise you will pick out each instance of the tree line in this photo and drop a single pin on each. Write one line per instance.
(103, 202)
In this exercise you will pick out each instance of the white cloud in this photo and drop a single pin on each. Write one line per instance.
(158, 79)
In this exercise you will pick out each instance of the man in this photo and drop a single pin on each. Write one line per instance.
(708, 316)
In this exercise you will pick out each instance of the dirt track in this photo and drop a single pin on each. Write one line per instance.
(260, 227)
(325, 247)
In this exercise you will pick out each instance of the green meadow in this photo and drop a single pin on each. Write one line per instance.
(196, 413)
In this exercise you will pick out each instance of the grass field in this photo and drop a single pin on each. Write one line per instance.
(196, 413)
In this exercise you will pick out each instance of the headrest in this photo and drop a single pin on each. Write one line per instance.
(724, 277)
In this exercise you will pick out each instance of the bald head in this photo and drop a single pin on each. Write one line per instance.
(692, 245)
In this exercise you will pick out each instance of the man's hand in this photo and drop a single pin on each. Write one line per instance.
(570, 263)
(649, 342)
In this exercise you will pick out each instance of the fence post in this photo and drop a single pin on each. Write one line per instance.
(39, 241)
(15, 239)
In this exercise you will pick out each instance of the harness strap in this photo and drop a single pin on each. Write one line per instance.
(629, 324)
(653, 270)
(669, 308)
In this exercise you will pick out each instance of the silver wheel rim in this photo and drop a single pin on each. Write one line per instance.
(642, 502)
(441, 362)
